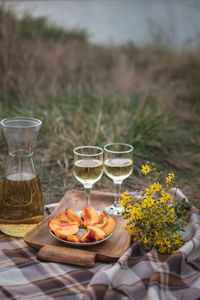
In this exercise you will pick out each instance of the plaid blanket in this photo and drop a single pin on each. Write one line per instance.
(136, 275)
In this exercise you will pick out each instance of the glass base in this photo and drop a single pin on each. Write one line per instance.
(113, 210)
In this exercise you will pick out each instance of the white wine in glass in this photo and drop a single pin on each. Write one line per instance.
(118, 164)
(88, 167)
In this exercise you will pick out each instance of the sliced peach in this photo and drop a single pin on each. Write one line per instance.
(64, 217)
(103, 219)
(89, 236)
(96, 234)
(84, 238)
(89, 215)
(55, 223)
(93, 234)
(64, 231)
(73, 238)
(74, 217)
(109, 226)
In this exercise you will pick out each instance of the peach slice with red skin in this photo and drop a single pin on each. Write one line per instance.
(93, 234)
(64, 231)
(61, 228)
(89, 215)
(64, 217)
(73, 217)
(103, 219)
(85, 237)
(96, 233)
(55, 223)
(109, 226)
(73, 238)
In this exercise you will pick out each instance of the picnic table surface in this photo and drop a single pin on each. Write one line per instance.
(136, 275)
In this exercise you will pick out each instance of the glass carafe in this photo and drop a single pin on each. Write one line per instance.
(21, 201)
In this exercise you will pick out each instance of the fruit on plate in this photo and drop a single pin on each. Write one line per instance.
(64, 231)
(89, 215)
(109, 226)
(55, 223)
(70, 217)
(74, 217)
(103, 219)
(67, 225)
(93, 234)
(64, 217)
(74, 238)
(61, 228)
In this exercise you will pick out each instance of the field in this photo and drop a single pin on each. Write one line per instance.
(88, 94)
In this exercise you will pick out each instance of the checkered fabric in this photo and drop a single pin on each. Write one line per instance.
(136, 275)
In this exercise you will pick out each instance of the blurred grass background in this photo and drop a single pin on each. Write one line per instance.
(88, 94)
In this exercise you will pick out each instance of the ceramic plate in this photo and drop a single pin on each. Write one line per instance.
(80, 244)
(80, 232)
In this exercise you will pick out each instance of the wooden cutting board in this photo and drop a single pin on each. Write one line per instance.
(56, 251)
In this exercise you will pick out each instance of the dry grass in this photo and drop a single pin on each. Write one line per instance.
(88, 94)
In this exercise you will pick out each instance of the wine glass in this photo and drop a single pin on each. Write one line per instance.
(88, 168)
(118, 165)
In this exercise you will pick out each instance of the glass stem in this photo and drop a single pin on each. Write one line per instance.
(117, 193)
(87, 196)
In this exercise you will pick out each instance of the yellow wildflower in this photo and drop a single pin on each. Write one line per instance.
(171, 214)
(152, 220)
(166, 197)
(155, 187)
(169, 179)
(146, 169)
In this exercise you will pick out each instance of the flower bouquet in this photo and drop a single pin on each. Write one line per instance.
(156, 218)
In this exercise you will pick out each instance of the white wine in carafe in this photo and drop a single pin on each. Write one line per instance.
(21, 203)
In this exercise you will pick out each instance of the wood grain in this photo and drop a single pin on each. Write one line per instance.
(66, 255)
(108, 251)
